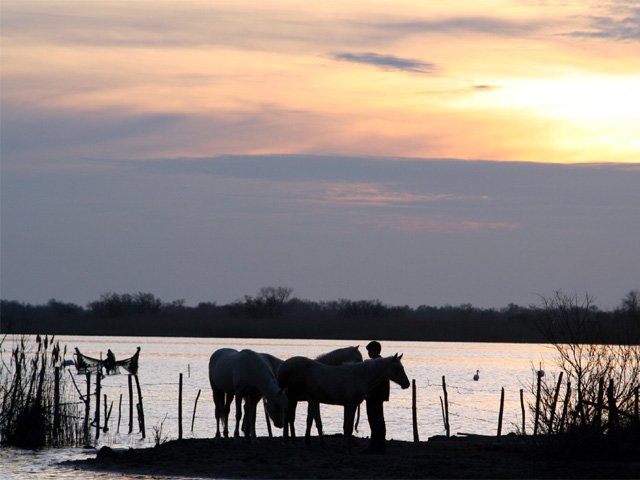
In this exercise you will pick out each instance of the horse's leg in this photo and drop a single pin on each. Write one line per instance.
(349, 414)
(246, 419)
(218, 401)
(250, 412)
(313, 414)
(227, 409)
(310, 418)
(319, 426)
(236, 433)
(289, 421)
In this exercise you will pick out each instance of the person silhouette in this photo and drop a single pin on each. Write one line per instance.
(110, 362)
(375, 399)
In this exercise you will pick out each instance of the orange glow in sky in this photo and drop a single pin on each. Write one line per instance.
(501, 80)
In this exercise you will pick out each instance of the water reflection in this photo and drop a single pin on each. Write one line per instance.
(473, 406)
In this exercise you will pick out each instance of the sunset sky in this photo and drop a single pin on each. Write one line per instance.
(411, 152)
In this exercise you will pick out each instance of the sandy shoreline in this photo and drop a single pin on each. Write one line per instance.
(439, 457)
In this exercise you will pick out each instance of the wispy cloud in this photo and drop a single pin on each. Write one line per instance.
(470, 24)
(620, 22)
(379, 195)
(388, 62)
(408, 223)
(484, 88)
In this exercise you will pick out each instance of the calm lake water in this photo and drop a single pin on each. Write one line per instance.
(473, 405)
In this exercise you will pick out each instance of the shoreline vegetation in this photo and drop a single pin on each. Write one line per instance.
(274, 313)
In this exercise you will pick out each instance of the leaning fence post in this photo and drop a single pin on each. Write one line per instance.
(555, 402)
(107, 414)
(415, 411)
(195, 405)
(524, 431)
(180, 408)
(446, 407)
(500, 414)
(119, 413)
(140, 408)
(565, 407)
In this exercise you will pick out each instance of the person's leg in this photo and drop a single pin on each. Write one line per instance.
(381, 431)
(375, 415)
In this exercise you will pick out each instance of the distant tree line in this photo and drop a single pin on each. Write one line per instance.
(275, 312)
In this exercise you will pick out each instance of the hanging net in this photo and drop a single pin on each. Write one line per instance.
(86, 364)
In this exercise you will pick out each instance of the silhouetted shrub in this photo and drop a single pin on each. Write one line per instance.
(592, 404)
(29, 418)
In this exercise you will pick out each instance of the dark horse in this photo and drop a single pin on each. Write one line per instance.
(334, 358)
(344, 385)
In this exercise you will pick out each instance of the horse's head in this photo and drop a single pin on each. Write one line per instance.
(277, 407)
(355, 356)
(397, 373)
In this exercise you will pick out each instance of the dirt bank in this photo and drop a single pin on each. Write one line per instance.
(456, 457)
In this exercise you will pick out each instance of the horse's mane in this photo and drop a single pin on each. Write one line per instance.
(340, 355)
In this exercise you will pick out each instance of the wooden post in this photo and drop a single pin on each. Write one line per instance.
(415, 411)
(56, 405)
(535, 424)
(565, 407)
(266, 414)
(500, 414)
(87, 408)
(130, 404)
(140, 408)
(613, 409)
(98, 389)
(446, 407)
(180, 408)
(555, 402)
(524, 430)
(599, 405)
(119, 413)
(195, 405)
(107, 414)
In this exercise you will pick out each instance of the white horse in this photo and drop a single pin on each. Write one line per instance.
(333, 358)
(344, 385)
(247, 376)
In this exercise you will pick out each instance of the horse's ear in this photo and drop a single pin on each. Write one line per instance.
(395, 356)
(400, 357)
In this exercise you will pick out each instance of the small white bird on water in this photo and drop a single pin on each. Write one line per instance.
(476, 377)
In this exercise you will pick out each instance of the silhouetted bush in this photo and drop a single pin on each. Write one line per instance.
(592, 404)
(29, 418)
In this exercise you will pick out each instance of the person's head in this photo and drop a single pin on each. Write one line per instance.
(373, 349)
